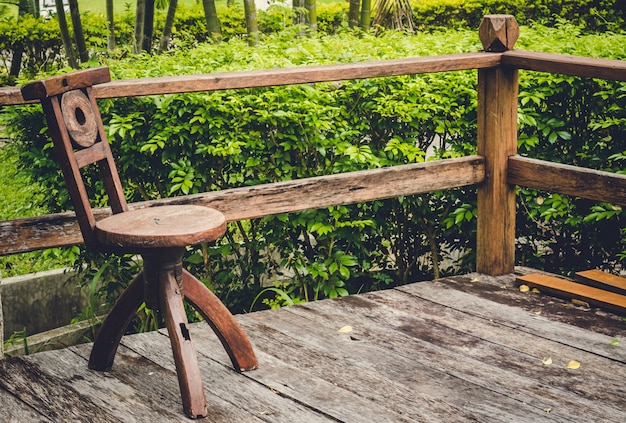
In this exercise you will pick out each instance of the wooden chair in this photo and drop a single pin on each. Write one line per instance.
(159, 234)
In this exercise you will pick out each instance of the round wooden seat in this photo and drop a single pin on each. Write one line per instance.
(161, 227)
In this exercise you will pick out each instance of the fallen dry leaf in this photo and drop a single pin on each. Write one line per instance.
(524, 288)
(573, 365)
(546, 361)
(475, 280)
(345, 329)
(536, 291)
(580, 303)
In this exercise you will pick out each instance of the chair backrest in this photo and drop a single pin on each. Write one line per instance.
(76, 128)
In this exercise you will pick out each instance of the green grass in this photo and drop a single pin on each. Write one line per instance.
(17, 194)
(18, 198)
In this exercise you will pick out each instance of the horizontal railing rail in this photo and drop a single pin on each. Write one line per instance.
(61, 229)
(614, 70)
(567, 179)
(281, 76)
(519, 59)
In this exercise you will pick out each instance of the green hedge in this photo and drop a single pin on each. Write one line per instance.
(594, 15)
(179, 144)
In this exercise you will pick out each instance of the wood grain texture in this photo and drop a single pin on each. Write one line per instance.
(497, 140)
(456, 349)
(572, 290)
(115, 324)
(59, 84)
(498, 33)
(565, 64)
(544, 62)
(567, 179)
(603, 280)
(30, 234)
(283, 76)
(219, 318)
(231, 396)
(546, 317)
(41, 391)
(187, 370)
(161, 227)
(134, 390)
(298, 75)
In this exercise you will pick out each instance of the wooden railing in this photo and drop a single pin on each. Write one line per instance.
(495, 170)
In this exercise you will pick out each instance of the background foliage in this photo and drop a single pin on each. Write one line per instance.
(43, 50)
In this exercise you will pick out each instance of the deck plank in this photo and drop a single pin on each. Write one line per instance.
(490, 358)
(13, 410)
(342, 388)
(451, 292)
(225, 388)
(448, 350)
(492, 371)
(53, 398)
(135, 390)
(418, 389)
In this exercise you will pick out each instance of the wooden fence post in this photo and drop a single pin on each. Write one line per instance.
(497, 140)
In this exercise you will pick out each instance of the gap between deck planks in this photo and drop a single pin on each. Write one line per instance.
(426, 352)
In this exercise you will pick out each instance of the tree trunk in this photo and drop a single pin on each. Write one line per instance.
(311, 17)
(148, 27)
(299, 17)
(65, 34)
(167, 28)
(212, 21)
(366, 15)
(140, 13)
(353, 13)
(25, 6)
(110, 25)
(251, 22)
(18, 49)
(79, 36)
(394, 14)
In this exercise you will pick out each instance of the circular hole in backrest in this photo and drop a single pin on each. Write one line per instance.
(80, 116)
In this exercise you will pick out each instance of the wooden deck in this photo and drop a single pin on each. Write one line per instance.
(467, 348)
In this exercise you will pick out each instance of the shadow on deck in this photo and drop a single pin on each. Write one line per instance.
(466, 348)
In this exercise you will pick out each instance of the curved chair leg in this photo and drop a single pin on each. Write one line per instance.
(222, 322)
(187, 369)
(115, 324)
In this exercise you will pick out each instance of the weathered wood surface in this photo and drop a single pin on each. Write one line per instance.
(497, 141)
(603, 280)
(283, 76)
(22, 235)
(565, 64)
(577, 291)
(467, 348)
(567, 179)
(544, 62)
